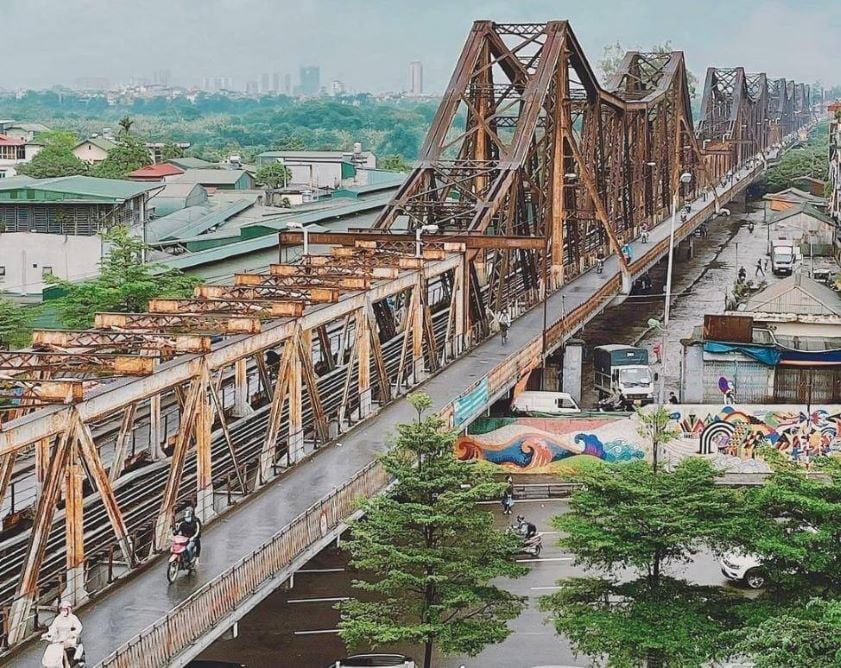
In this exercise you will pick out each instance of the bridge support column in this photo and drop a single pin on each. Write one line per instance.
(363, 351)
(627, 282)
(295, 441)
(74, 590)
(242, 407)
(573, 356)
(204, 464)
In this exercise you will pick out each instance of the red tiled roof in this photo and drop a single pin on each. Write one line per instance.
(9, 141)
(158, 171)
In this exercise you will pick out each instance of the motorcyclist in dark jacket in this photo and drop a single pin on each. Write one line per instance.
(190, 527)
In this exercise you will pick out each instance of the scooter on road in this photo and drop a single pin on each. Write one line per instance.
(62, 655)
(181, 558)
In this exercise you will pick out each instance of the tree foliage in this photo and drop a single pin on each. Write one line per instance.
(15, 324)
(55, 158)
(810, 160)
(613, 54)
(632, 519)
(804, 636)
(394, 163)
(171, 150)
(129, 154)
(429, 553)
(274, 175)
(124, 284)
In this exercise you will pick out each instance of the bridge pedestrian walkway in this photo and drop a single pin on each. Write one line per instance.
(143, 599)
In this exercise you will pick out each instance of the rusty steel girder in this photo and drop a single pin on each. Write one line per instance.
(546, 152)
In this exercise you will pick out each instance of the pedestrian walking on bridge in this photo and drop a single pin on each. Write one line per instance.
(759, 270)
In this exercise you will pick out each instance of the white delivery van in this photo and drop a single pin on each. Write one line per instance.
(544, 403)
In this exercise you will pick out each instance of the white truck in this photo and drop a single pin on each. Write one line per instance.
(538, 404)
(782, 256)
(623, 370)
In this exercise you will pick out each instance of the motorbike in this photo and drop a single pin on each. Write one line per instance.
(58, 656)
(605, 405)
(180, 558)
(530, 546)
(750, 228)
(599, 266)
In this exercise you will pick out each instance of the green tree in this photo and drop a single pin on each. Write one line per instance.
(15, 324)
(632, 519)
(124, 284)
(429, 553)
(129, 154)
(793, 522)
(394, 163)
(55, 159)
(274, 175)
(171, 150)
(808, 636)
(125, 124)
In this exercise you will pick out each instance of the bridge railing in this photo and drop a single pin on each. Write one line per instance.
(209, 606)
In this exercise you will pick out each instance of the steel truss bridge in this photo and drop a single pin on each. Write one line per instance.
(529, 169)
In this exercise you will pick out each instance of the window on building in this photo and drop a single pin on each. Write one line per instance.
(46, 270)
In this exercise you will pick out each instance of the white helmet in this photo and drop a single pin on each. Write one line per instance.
(65, 605)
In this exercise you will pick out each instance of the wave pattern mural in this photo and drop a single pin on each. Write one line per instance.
(527, 448)
(729, 435)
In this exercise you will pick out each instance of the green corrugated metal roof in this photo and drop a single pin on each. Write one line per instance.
(81, 187)
(360, 191)
(803, 207)
(212, 219)
(267, 238)
(278, 223)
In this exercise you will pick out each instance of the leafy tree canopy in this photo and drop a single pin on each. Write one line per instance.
(124, 284)
(430, 553)
(15, 324)
(171, 150)
(394, 163)
(274, 175)
(129, 154)
(55, 159)
(806, 636)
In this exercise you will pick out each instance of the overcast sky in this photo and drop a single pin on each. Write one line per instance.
(368, 44)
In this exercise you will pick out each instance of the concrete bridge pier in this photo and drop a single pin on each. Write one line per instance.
(571, 379)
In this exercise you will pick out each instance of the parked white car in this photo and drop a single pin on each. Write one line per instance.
(743, 568)
(533, 402)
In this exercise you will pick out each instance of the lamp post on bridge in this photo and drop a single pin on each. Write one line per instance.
(569, 178)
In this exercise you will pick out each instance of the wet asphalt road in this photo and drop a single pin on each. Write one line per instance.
(296, 628)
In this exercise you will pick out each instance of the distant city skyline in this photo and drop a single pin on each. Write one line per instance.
(368, 46)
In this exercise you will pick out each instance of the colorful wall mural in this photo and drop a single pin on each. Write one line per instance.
(728, 435)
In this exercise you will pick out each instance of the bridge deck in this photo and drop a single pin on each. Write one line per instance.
(142, 600)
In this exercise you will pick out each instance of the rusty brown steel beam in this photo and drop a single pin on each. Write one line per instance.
(257, 292)
(111, 339)
(339, 283)
(222, 324)
(259, 308)
(57, 391)
(336, 267)
(471, 241)
(128, 365)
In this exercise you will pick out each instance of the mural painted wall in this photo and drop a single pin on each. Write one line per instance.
(729, 435)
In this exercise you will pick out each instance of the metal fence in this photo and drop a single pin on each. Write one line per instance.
(208, 607)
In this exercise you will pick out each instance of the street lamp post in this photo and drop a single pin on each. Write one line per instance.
(295, 225)
(686, 177)
(423, 229)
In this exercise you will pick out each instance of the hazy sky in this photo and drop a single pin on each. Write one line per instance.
(368, 43)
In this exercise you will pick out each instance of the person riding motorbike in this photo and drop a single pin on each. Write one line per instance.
(526, 529)
(66, 629)
(600, 261)
(743, 274)
(750, 227)
(190, 527)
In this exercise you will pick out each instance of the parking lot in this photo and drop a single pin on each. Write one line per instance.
(297, 627)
